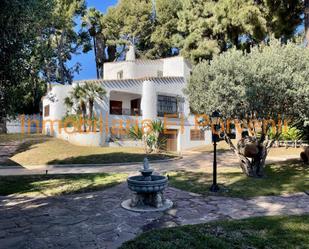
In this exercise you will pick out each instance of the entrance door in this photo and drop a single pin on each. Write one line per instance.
(115, 107)
(135, 106)
(171, 143)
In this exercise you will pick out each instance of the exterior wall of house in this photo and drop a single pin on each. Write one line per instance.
(92, 139)
(149, 100)
(175, 72)
(187, 143)
(24, 124)
(133, 69)
(55, 100)
(176, 67)
(124, 97)
(57, 109)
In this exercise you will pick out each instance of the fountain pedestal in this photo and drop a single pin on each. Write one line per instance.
(148, 191)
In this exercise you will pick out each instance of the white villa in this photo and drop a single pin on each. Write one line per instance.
(137, 90)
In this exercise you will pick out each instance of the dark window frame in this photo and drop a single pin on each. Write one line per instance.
(197, 135)
(167, 105)
(46, 111)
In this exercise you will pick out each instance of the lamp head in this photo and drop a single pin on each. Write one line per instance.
(215, 117)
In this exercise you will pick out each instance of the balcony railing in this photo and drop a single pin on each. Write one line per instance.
(168, 115)
(127, 111)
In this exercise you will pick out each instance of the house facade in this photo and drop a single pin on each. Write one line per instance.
(136, 91)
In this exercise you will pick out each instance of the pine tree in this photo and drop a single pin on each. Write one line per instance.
(307, 22)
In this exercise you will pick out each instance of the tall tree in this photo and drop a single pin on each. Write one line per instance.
(93, 92)
(196, 39)
(22, 23)
(307, 21)
(283, 16)
(208, 27)
(136, 20)
(65, 41)
(165, 27)
(105, 32)
(241, 21)
(271, 82)
(92, 20)
(77, 99)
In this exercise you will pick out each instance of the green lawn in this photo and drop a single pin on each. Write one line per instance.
(222, 146)
(281, 178)
(43, 150)
(4, 138)
(51, 185)
(265, 232)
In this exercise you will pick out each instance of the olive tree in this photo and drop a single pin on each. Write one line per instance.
(270, 83)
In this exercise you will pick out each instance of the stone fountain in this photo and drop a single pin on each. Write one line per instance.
(147, 191)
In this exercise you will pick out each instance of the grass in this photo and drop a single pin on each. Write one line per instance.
(42, 150)
(5, 138)
(266, 232)
(54, 185)
(222, 146)
(281, 178)
(280, 151)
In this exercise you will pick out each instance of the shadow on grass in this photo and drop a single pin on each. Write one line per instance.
(280, 178)
(51, 185)
(29, 143)
(21, 146)
(114, 157)
(263, 232)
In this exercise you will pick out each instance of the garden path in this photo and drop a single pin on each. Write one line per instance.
(96, 220)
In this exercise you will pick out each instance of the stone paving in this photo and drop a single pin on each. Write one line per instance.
(7, 150)
(96, 220)
(194, 161)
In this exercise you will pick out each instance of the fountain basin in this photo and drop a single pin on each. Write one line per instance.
(147, 191)
(139, 185)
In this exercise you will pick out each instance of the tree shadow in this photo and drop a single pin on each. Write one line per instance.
(21, 146)
(110, 158)
(63, 184)
(284, 177)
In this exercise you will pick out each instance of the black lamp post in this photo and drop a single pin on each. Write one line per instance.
(215, 120)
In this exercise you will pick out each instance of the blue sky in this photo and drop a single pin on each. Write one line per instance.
(87, 61)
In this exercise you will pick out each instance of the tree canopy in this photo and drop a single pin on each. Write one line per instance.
(268, 84)
(198, 29)
(38, 38)
(208, 27)
(271, 80)
(22, 22)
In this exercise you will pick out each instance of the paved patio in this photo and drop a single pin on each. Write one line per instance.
(96, 220)
(194, 161)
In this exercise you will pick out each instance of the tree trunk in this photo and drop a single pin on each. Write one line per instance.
(251, 166)
(95, 56)
(111, 51)
(2, 113)
(91, 104)
(101, 57)
(238, 135)
(84, 113)
(307, 22)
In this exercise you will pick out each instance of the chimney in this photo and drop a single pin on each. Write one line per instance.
(130, 55)
(307, 22)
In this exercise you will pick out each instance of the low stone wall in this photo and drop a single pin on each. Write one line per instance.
(95, 139)
(24, 124)
(125, 143)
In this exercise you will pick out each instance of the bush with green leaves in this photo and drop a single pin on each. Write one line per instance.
(152, 135)
(271, 81)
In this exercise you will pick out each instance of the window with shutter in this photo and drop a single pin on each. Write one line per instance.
(197, 135)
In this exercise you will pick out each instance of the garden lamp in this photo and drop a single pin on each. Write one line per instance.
(215, 127)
